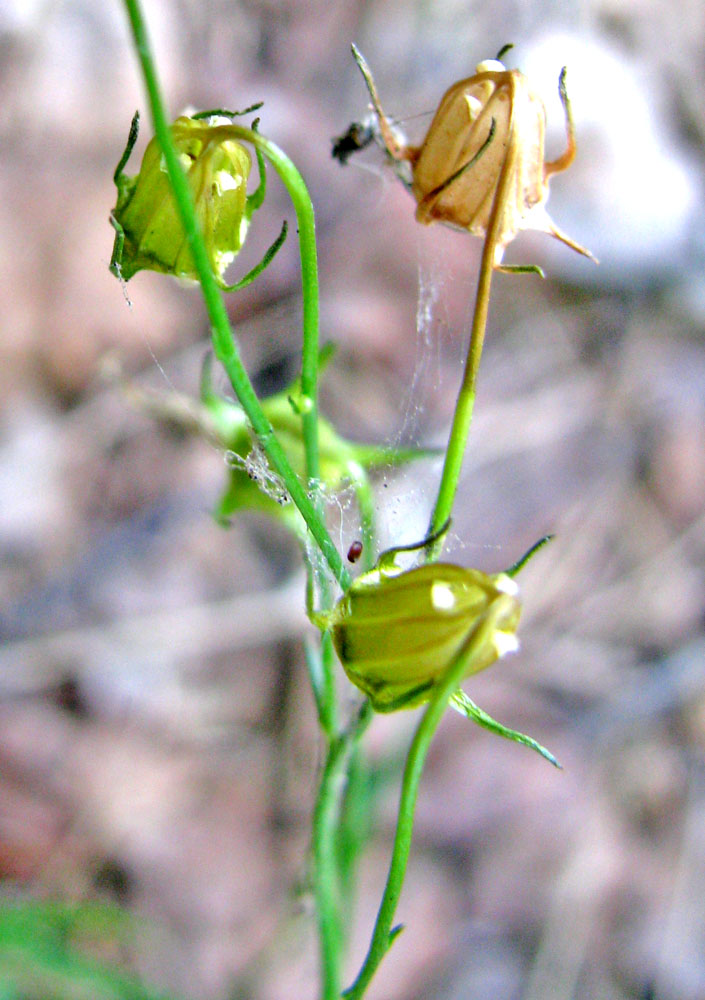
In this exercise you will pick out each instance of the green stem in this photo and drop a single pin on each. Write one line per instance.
(306, 226)
(465, 404)
(326, 819)
(326, 876)
(329, 719)
(223, 341)
(384, 935)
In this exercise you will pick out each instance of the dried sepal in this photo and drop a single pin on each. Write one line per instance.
(481, 165)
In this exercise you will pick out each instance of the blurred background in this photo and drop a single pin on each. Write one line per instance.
(158, 746)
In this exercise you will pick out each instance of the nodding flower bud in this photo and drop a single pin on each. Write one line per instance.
(397, 632)
(149, 230)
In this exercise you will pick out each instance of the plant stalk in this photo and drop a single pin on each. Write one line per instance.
(465, 403)
(326, 869)
(224, 344)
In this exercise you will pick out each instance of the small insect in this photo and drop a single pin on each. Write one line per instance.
(481, 165)
(358, 136)
(355, 551)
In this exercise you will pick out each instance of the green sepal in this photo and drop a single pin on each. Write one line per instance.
(463, 704)
(521, 269)
(387, 560)
(529, 554)
(223, 113)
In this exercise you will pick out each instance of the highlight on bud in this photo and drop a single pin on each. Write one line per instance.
(481, 165)
(148, 228)
(397, 632)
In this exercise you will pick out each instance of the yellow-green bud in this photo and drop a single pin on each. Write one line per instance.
(217, 168)
(397, 632)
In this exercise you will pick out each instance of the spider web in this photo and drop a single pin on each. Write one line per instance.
(404, 504)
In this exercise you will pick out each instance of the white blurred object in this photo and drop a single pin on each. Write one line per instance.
(17, 16)
(632, 194)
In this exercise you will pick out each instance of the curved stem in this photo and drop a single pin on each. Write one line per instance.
(306, 226)
(223, 341)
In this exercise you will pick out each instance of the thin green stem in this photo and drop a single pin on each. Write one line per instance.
(223, 341)
(384, 934)
(329, 719)
(465, 403)
(326, 875)
(327, 882)
(305, 220)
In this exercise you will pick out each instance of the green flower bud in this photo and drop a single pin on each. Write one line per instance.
(149, 231)
(397, 632)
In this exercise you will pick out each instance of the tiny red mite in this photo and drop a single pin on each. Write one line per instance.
(355, 551)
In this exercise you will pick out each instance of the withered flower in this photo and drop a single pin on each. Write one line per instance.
(481, 165)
